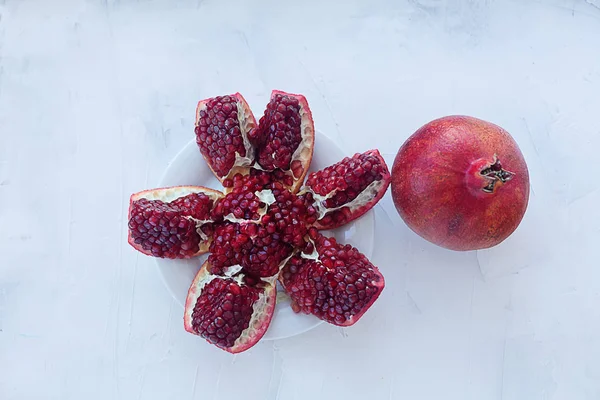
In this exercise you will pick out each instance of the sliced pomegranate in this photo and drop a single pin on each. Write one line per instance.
(346, 190)
(259, 252)
(232, 312)
(336, 282)
(285, 138)
(222, 126)
(289, 215)
(172, 222)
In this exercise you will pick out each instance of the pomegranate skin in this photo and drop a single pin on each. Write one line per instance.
(461, 183)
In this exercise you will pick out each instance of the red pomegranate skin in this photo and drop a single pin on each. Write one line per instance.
(461, 183)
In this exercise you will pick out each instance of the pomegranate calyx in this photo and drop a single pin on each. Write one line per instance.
(484, 177)
(495, 173)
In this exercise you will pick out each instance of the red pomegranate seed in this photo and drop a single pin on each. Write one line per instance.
(278, 134)
(223, 311)
(339, 287)
(218, 133)
(163, 230)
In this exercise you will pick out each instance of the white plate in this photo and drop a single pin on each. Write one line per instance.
(189, 168)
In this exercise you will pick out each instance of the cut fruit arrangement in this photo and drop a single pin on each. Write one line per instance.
(265, 225)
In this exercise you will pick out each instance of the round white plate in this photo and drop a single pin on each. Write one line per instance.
(189, 168)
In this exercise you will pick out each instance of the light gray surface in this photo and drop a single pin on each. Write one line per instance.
(96, 97)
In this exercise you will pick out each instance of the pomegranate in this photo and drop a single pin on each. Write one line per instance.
(222, 126)
(285, 137)
(335, 283)
(461, 183)
(282, 144)
(262, 225)
(348, 189)
(232, 311)
(172, 222)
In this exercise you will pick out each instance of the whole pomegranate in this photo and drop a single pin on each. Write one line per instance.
(461, 183)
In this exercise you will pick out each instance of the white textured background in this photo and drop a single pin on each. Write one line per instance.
(97, 96)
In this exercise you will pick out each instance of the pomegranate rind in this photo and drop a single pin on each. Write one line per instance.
(357, 207)
(438, 186)
(167, 195)
(263, 310)
(247, 122)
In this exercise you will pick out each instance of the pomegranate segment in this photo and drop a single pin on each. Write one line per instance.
(336, 282)
(285, 138)
(259, 252)
(222, 126)
(172, 222)
(346, 190)
(231, 312)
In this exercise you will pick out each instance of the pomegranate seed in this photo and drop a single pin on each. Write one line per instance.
(338, 287)
(218, 134)
(223, 311)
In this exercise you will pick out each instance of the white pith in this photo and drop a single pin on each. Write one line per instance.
(368, 194)
(260, 312)
(203, 277)
(170, 194)
(312, 256)
(304, 149)
(246, 122)
(307, 134)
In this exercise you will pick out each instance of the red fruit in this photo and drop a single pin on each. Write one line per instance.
(262, 226)
(172, 222)
(336, 283)
(461, 183)
(289, 215)
(285, 138)
(231, 312)
(259, 252)
(346, 190)
(222, 126)
(240, 206)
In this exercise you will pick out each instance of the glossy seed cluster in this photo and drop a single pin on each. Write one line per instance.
(163, 229)
(195, 205)
(218, 134)
(223, 311)
(250, 245)
(289, 215)
(337, 287)
(348, 178)
(239, 204)
(279, 133)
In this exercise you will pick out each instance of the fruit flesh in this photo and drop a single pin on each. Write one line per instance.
(337, 283)
(259, 252)
(228, 311)
(461, 183)
(284, 138)
(171, 222)
(262, 224)
(346, 190)
(222, 125)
